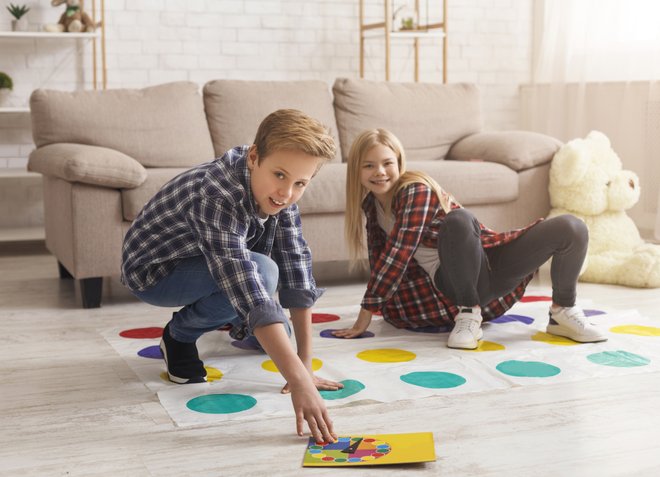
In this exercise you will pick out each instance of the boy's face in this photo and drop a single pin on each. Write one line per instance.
(281, 178)
(379, 171)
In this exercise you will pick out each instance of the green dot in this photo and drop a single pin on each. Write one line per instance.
(433, 379)
(350, 387)
(621, 359)
(221, 403)
(528, 369)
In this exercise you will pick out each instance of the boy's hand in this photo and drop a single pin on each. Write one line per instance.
(360, 326)
(320, 383)
(309, 406)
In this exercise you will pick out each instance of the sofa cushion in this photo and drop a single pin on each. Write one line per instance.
(234, 109)
(132, 200)
(88, 164)
(159, 126)
(472, 182)
(427, 118)
(326, 193)
(519, 150)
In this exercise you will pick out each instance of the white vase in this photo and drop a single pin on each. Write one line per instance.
(19, 25)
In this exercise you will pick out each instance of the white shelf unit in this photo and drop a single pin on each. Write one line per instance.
(385, 29)
(98, 80)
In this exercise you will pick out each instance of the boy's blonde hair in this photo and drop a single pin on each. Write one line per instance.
(293, 129)
(356, 192)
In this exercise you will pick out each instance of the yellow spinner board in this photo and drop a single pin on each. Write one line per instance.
(376, 449)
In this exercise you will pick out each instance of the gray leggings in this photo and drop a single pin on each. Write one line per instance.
(471, 275)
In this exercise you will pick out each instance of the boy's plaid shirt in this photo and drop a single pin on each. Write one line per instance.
(398, 287)
(210, 211)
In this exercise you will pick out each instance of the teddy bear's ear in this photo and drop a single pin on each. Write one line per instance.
(570, 163)
(600, 138)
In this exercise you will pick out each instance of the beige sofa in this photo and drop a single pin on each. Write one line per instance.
(103, 154)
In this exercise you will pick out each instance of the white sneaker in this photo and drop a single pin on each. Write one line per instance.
(467, 330)
(571, 323)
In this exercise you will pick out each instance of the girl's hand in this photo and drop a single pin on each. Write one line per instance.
(320, 383)
(360, 326)
(309, 406)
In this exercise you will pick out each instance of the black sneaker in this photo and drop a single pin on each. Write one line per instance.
(182, 360)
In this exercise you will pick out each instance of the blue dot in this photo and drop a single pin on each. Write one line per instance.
(152, 352)
(510, 318)
(528, 369)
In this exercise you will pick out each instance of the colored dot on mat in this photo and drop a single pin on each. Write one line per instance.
(544, 337)
(636, 330)
(324, 317)
(485, 346)
(143, 333)
(593, 312)
(386, 355)
(328, 334)
(620, 359)
(354, 459)
(319, 455)
(532, 298)
(528, 369)
(368, 457)
(509, 318)
(433, 379)
(153, 352)
(221, 403)
(269, 365)
(340, 459)
(350, 387)
(431, 329)
(328, 459)
(213, 374)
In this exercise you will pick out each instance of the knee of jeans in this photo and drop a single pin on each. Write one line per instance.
(574, 228)
(268, 271)
(461, 220)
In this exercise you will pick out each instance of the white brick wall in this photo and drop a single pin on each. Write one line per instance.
(155, 41)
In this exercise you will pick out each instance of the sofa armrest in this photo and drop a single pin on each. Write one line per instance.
(518, 150)
(88, 164)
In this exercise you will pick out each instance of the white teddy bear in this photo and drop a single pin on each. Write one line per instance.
(587, 180)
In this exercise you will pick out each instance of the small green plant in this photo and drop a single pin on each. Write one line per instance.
(18, 11)
(5, 81)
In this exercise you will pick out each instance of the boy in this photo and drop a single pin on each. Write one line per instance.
(204, 242)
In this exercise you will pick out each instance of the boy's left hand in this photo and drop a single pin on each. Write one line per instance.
(320, 383)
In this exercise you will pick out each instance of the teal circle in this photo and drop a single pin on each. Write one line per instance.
(528, 369)
(350, 387)
(221, 403)
(619, 358)
(433, 379)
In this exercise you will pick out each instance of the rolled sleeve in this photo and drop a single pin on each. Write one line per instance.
(298, 298)
(265, 314)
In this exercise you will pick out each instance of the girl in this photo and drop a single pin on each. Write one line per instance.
(433, 264)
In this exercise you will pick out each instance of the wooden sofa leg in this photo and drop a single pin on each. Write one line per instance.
(64, 273)
(91, 290)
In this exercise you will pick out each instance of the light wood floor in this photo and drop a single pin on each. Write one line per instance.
(70, 406)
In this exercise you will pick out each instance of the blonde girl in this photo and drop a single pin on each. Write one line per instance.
(432, 263)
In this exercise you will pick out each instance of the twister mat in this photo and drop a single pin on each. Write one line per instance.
(387, 364)
(376, 449)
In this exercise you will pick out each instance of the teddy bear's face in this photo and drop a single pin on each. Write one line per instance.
(586, 177)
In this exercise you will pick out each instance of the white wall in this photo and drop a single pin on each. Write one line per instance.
(156, 41)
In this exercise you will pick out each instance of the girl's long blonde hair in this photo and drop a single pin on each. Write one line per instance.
(356, 192)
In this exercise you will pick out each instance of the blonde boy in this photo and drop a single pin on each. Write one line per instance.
(220, 239)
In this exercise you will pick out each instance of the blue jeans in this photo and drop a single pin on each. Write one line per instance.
(205, 306)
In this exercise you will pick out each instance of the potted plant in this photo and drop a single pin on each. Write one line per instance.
(6, 85)
(18, 12)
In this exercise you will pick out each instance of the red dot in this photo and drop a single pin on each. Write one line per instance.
(530, 298)
(328, 458)
(377, 454)
(324, 317)
(369, 440)
(142, 333)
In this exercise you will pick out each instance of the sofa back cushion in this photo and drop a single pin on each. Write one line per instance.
(159, 126)
(235, 108)
(427, 118)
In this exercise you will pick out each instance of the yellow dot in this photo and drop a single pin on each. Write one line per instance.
(320, 455)
(378, 443)
(164, 376)
(636, 330)
(386, 355)
(368, 457)
(213, 374)
(270, 366)
(553, 340)
(487, 346)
